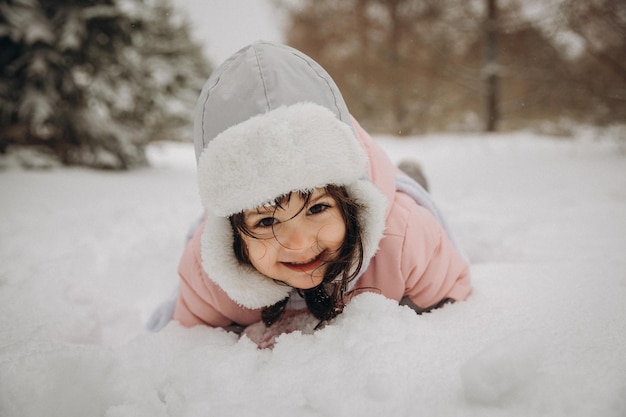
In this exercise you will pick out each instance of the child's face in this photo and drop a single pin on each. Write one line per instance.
(292, 243)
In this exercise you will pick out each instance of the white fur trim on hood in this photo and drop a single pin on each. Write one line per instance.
(297, 147)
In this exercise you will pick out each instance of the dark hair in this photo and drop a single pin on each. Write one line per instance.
(326, 300)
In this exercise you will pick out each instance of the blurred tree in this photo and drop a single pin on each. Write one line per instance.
(534, 79)
(408, 66)
(602, 25)
(394, 60)
(95, 80)
(601, 70)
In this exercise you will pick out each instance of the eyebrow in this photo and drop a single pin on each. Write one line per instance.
(258, 212)
(319, 197)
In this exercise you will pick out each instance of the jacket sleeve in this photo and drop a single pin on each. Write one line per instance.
(433, 269)
(196, 298)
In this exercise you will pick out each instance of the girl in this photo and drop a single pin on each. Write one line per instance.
(303, 209)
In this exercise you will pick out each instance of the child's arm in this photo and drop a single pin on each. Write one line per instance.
(433, 268)
(202, 301)
(193, 306)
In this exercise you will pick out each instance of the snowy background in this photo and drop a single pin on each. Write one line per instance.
(224, 27)
(87, 255)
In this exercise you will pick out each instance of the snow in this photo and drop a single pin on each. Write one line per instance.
(87, 256)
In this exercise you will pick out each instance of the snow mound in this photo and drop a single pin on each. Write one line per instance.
(502, 370)
(87, 256)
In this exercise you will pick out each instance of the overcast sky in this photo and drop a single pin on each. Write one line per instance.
(225, 26)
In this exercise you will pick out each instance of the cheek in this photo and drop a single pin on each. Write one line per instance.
(334, 232)
(258, 251)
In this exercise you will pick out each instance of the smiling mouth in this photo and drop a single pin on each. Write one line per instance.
(306, 266)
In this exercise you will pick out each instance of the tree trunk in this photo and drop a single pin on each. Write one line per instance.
(398, 99)
(490, 70)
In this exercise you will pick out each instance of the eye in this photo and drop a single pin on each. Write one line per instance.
(267, 222)
(318, 208)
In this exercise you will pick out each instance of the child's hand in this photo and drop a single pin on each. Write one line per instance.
(291, 321)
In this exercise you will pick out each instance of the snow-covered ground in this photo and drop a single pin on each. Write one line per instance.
(86, 256)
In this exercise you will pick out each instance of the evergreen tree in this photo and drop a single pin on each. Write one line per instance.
(95, 80)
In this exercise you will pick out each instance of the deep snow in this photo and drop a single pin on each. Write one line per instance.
(87, 255)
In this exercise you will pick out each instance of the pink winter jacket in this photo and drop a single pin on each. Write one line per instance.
(415, 259)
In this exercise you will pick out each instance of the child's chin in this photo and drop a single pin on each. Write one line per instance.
(307, 283)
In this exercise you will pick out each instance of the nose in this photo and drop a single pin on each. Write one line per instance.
(295, 235)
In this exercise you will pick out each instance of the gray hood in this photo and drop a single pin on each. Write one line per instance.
(257, 79)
